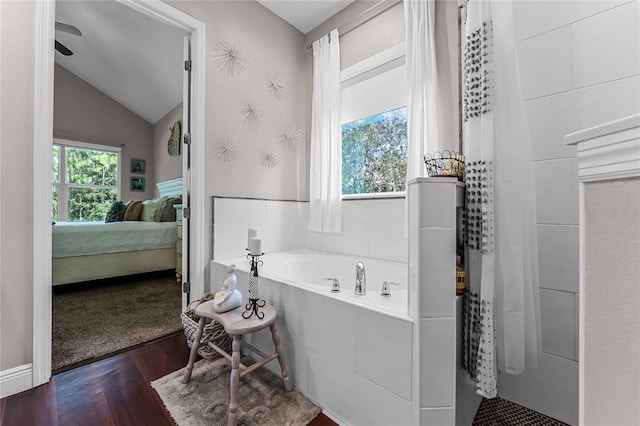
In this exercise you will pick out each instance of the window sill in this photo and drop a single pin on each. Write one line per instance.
(373, 196)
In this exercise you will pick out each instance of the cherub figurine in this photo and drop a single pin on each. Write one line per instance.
(228, 297)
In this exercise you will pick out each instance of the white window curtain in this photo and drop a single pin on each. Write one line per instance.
(325, 192)
(502, 318)
(422, 87)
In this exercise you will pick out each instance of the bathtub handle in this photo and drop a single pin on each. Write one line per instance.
(386, 291)
(335, 286)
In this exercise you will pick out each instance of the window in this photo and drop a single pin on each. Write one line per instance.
(374, 125)
(85, 180)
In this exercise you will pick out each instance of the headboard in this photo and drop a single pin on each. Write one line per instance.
(170, 188)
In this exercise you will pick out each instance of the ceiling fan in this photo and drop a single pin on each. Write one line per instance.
(70, 29)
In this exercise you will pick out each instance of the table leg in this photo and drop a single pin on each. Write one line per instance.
(235, 380)
(283, 366)
(194, 351)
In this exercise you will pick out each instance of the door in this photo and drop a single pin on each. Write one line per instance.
(186, 175)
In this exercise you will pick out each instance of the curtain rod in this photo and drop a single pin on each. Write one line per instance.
(364, 17)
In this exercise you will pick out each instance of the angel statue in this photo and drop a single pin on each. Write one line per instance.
(228, 297)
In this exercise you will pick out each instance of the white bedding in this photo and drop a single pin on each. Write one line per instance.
(87, 238)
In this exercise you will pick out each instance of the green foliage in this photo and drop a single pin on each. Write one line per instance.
(374, 153)
(91, 178)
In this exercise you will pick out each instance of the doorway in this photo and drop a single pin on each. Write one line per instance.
(193, 181)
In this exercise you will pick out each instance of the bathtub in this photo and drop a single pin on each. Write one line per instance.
(350, 354)
(309, 270)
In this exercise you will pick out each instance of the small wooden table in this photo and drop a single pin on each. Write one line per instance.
(236, 326)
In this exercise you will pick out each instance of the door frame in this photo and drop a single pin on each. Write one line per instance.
(43, 140)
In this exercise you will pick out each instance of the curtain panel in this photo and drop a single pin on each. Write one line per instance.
(325, 192)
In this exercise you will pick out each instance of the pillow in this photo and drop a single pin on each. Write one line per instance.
(169, 213)
(160, 204)
(133, 211)
(116, 212)
(148, 211)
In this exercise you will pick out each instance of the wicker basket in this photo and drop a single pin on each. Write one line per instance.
(213, 331)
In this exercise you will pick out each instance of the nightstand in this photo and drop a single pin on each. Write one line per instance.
(178, 208)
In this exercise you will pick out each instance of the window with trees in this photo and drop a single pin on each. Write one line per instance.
(85, 180)
(374, 125)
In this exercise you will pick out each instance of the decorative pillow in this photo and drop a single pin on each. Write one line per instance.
(169, 213)
(116, 212)
(160, 204)
(133, 211)
(148, 211)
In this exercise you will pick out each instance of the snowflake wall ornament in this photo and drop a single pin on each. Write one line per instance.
(270, 160)
(252, 115)
(276, 88)
(290, 136)
(229, 58)
(225, 149)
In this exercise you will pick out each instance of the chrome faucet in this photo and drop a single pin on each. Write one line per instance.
(361, 280)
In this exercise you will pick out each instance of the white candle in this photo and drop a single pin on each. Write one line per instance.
(251, 232)
(255, 246)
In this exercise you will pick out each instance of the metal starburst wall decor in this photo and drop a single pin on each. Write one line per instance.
(225, 149)
(290, 136)
(276, 88)
(252, 115)
(229, 58)
(270, 160)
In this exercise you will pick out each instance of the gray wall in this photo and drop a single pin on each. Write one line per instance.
(17, 38)
(579, 66)
(85, 114)
(273, 49)
(165, 167)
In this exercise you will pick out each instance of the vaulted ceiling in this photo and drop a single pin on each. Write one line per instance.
(136, 60)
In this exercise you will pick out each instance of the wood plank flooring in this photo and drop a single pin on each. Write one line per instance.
(112, 391)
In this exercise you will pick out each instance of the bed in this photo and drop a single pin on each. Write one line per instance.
(85, 251)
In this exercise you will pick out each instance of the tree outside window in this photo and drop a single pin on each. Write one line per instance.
(374, 153)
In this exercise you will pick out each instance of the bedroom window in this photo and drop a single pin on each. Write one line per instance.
(374, 126)
(85, 180)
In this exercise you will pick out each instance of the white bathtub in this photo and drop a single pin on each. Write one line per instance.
(350, 354)
(308, 269)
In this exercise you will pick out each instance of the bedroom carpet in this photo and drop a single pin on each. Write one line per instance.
(92, 320)
(205, 400)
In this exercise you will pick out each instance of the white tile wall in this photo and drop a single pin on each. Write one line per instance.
(436, 416)
(437, 267)
(557, 315)
(551, 389)
(557, 191)
(437, 348)
(606, 46)
(550, 118)
(558, 257)
(545, 63)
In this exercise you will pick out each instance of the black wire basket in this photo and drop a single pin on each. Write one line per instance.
(445, 164)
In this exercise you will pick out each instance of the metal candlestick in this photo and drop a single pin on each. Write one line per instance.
(252, 307)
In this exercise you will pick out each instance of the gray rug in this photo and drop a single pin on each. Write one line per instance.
(92, 320)
(205, 400)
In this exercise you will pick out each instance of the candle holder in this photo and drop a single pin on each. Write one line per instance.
(253, 306)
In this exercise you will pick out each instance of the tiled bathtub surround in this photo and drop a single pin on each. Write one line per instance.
(371, 228)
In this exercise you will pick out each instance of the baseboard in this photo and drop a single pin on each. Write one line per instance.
(16, 380)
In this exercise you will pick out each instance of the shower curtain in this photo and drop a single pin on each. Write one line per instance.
(325, 189)
(502, 320)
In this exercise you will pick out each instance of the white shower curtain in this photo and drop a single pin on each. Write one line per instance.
(502, 305)
(325, 192)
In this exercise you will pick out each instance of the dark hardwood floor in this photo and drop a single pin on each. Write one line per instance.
(112, 391)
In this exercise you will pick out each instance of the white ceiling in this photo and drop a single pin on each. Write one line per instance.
(305, 15)
(137, 61)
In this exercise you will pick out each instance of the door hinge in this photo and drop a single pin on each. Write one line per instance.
(186, 287)
(187, 65)
(186, 213)
(187, 138)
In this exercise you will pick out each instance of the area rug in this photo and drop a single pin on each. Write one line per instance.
(92, 320)
(205, 400)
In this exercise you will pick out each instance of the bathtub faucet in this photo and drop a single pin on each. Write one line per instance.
(361, 280)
